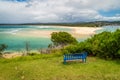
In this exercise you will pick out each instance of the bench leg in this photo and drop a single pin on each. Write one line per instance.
(85, 60)
(82, 60)
(64, 62)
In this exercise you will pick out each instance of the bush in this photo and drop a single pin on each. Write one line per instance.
(62, 38)
(104, 45)
(2, 48)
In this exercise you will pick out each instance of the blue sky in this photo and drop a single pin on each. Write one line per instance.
(16, 0)
(110, 13)
(47, 11)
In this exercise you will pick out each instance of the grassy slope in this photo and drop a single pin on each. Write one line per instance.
(52, 68)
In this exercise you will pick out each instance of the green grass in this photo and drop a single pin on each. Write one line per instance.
(50, 67)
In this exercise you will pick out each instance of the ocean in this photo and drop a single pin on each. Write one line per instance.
(17, 43)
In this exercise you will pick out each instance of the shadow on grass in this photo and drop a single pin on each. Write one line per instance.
(73, 62)
(117, 61)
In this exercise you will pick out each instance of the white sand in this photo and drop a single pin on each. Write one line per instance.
(85, 30)
(35, 33)
(12, 55)
(82, 32)
(76, 32)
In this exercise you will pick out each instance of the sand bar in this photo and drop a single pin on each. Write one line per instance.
(85, 30)
(75, 31)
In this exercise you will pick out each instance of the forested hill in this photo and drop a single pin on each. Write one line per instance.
(83, 24)
(88, 24)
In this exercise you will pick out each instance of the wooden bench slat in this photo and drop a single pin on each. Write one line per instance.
(75, 56)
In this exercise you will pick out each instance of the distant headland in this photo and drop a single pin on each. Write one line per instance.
(78, 24)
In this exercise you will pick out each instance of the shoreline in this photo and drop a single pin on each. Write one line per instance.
(11, 55)
(14, 54)
(77, 32)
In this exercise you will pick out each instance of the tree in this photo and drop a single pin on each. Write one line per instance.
(62, 38)
(27, 47)
(2, 48)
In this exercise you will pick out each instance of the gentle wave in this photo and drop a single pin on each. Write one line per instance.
(41, 27)
(10, 31)
(14, 31)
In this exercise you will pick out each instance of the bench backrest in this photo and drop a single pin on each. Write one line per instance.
(82, 55)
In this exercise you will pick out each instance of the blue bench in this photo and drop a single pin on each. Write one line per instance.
(75, 56)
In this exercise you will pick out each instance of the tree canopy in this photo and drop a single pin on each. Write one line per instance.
(62, 38)
(2, 48)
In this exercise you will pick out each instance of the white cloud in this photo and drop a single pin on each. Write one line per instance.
(56, 10)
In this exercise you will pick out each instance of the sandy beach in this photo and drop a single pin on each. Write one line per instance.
(77, 32)
(35, 33)
(85, 30)
(81, 32)
(12, 55)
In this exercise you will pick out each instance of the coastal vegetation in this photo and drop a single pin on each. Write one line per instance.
(2, 48)
(104, 45)
(62, 39)
(92, 24)
(78, 24)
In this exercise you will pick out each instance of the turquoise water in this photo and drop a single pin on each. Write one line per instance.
(108, 28)
(17, 43)
(15, 28)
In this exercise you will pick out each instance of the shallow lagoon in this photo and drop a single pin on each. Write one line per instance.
(17, 43)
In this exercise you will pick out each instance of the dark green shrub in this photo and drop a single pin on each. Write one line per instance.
(104, 45)
(62, 38)
(2, 48)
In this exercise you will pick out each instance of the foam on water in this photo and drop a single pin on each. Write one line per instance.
(50, 28)
(41, 27)
(14, 31)
(9, 31)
